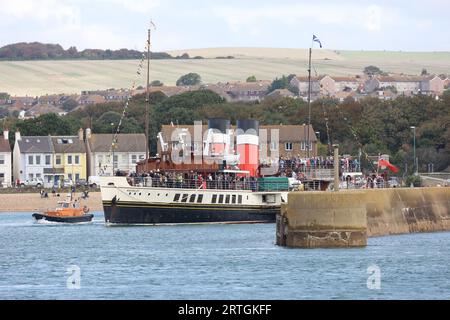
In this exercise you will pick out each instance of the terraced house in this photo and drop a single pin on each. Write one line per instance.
(5, 160)
(32, 158)
(69, 157)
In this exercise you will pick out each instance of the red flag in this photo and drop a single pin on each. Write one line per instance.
(385, 163)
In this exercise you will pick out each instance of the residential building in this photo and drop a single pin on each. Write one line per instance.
(130, 149)
(69, 159)
(292, 140)
(432, 85)
(33, 158)
(281, 93)
(5, 160)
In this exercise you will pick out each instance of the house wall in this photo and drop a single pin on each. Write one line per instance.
(5, 169)
(102, 165)
(74, 169)
(328, 86)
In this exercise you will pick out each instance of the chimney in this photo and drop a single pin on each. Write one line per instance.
(18, 137)
(88, 133)
(80, 134)
(6, 134)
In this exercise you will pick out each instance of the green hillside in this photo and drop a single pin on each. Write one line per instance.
(41, 77)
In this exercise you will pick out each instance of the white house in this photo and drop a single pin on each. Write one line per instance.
(5, 160)
(33, 158)
(129, 150)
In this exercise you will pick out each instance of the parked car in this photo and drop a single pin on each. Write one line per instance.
(94, 181)
(67, 183)
(81, 183)
(36, 182)
(393, 182)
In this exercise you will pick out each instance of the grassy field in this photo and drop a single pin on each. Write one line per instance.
(42, 77)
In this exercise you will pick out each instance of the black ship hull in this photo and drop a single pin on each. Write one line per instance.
(160, 214)
(77, 219)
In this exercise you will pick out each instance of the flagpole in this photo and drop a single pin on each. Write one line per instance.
(147, 107)
(309, 102)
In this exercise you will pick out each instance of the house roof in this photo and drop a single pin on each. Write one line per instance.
(126, 142)
(281, 93)
(4, 145)
(287, 133)
(68, 144)
(36, 144)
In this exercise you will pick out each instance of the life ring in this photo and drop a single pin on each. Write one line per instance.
(85, 209)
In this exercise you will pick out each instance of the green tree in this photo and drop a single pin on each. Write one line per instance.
(372, 70)
(190, 79)
(251, 79)
(283, 83)
(156, 83)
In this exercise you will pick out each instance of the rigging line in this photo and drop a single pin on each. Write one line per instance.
(127, 102)
(327, 128)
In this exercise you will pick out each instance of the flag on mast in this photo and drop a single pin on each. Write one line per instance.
(317, 40)
(387, 164)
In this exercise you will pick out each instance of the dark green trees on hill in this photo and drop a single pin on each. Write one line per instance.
(190, 79)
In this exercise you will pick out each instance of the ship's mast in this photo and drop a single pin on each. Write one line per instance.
(147, 100)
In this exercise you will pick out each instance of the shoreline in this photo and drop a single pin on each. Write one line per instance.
(27, 202)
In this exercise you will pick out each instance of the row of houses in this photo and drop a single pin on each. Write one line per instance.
(285, 141)
(56, 158)
(331, 86)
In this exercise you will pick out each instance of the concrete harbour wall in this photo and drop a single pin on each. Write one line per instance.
(346, 218)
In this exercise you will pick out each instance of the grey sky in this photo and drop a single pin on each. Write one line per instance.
(408, 25)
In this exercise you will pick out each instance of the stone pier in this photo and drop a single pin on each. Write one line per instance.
(346, 218)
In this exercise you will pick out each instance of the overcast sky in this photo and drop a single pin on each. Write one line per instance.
(408, 25)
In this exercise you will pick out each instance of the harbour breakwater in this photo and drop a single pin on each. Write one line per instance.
(30, 202)
(346, 218)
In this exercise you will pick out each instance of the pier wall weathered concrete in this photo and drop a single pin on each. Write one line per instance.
(346, 218)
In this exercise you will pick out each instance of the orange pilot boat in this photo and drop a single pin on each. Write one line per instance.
(68, 211)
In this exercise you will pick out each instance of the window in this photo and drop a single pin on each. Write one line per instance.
(214, 198)
(124, 158)
(227, 198)
(38, 175)
(200, 198)
(69, 159)
(288, 146)
(273, 146)
(177, 197)
(221, 198)
(141, 156)
(30, 160)
(38, 159)
(30, 176)
(48, 160)
(192, 198)
(304, 145)
(2, 159)
(233, 198)
(77, 176)
(184, 199)
(239, 198)
(133, 158)
(58, 160)
(116, 159)
(69, 176)
(77, 159)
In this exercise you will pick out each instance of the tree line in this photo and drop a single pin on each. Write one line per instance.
(46, 51)
(370, 125)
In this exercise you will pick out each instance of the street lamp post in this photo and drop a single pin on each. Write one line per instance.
(415, 160)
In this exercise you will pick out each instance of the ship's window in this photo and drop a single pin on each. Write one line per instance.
(200, 198)
(192, 198)
(166, 194)
(221, 198)
(140, 193)
(148, 194)
(227, 198)
(214, 198)
(185, 197)
(177, 197)
(233, 198)
(240, 198)
(129, 193)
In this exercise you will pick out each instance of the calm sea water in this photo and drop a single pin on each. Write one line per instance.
(209, 262)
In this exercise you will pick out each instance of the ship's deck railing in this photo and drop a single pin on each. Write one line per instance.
(252, 185)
